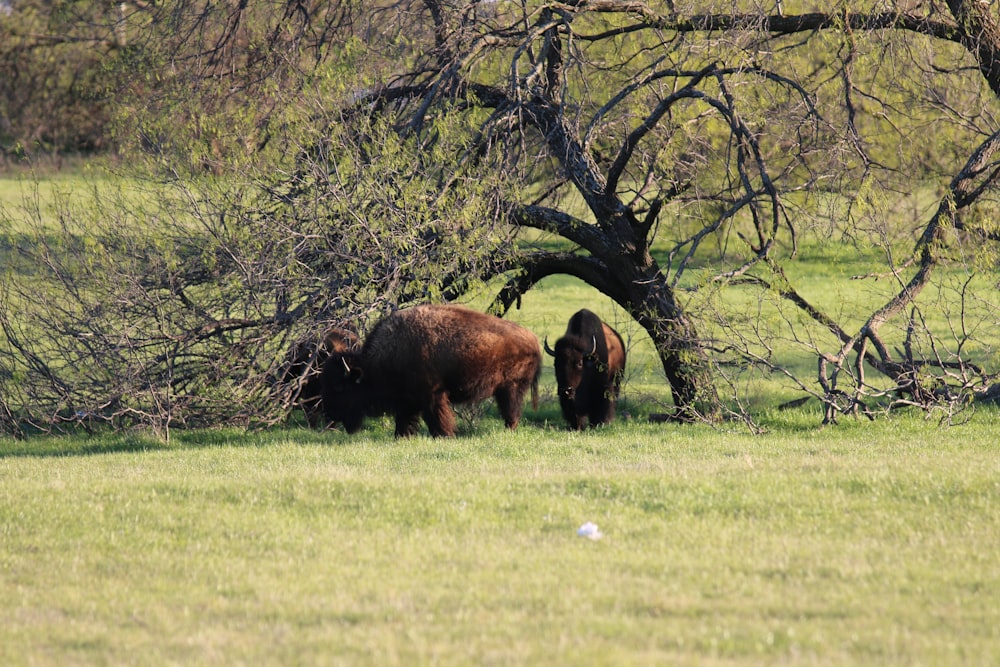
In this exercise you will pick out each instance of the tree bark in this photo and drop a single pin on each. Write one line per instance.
(642, 290)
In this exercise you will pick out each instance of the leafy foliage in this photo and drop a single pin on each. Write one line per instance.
(317, 164)
(173, 303)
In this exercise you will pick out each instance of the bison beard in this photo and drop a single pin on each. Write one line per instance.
(305, 361)
(420, 361)
(589, 364)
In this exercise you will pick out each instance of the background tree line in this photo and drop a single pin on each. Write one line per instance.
(313, 163)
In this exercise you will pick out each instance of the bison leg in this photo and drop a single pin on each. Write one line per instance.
(439, 416)
(568, 406)
(510, 402)
(603, 414)
(407, 424)
(602, 410)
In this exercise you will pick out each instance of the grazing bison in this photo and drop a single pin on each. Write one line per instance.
(305, 361)
(589, 365)
(419, 361)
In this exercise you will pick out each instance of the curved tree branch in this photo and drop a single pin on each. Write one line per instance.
(538, 266)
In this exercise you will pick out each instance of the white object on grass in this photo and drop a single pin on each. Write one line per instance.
(590, 531)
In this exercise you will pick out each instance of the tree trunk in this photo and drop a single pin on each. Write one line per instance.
(640, 288)
(684, 361)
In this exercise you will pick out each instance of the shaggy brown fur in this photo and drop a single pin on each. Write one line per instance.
(420, 361)
(589, 365)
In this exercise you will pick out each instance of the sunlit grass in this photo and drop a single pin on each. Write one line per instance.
(865, 543)
(861, 544)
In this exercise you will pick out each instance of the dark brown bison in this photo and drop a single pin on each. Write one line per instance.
(305, 361)
(420, 361)
(589, 365)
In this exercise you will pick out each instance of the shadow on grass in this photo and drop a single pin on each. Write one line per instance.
(81, 445)
(39, 443)
(547, 419)
(49, 445)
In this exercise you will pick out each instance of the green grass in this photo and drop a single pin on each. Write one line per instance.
(856, 545)
(860, 544)
(25, 196)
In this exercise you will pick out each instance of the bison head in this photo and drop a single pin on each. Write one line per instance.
(573, 354)
(344, 390)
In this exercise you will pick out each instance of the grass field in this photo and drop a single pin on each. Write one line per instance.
(867, 543)
(855, 545)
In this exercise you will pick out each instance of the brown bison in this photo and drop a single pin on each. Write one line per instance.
(589, 365)
(419, 361)
(305, 361)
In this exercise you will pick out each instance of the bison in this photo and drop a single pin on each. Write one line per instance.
(419, 361)
(589, 365)
(305, 361)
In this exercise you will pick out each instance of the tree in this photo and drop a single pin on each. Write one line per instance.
(376, 154)
(51, 77)
(646, 114)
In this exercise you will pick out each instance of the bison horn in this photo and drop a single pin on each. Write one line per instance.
(347, 369)
(593, 350)
(548, 349)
